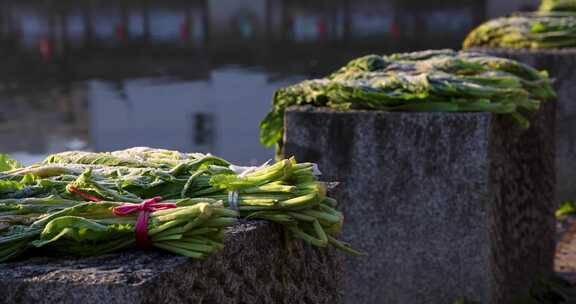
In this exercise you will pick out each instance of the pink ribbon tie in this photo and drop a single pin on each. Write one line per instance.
(145, 208)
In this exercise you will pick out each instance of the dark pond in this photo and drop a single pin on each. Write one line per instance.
(191, 75)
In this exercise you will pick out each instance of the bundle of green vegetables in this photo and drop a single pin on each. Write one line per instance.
(194, 229)
(205, 192)
(539, 30)
(557, 5)
(435, 80)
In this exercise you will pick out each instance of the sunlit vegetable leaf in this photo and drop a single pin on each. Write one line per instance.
(7, 163)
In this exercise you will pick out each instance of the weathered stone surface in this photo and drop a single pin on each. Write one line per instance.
(255, 267)
(560, 64)
(446, 205)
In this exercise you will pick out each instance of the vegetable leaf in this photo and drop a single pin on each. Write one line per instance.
(7, 163)
(566, 208)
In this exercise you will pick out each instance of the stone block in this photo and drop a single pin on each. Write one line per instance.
(446, 205)
(255, 267)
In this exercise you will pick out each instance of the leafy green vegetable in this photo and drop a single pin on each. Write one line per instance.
(44, 205)
(93, 229)
(433, 80)
(7, 186)
(7, 163)
(566, 208)
(557, 5)
(541, 30)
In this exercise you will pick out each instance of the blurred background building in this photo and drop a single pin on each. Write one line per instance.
(192, 75)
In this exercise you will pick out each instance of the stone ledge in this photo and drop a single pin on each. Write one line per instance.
(254, 267)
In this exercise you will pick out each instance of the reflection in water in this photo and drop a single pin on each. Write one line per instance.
(192, 75)
(219, 116)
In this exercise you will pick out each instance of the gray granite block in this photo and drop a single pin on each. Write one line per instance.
(561, 66)
(255, 267)
(446, 205)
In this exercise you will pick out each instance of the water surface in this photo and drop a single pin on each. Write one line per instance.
(191, 75)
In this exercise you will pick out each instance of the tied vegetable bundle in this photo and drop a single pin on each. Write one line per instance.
(191, 228)
(557, 5)
(436, 80)
(286, 192)
(539, 30)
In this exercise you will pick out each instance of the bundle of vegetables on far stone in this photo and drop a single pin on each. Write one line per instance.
(557, 5)
(87, 203)
(553, 26)
(534, 30)
(434, 80)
